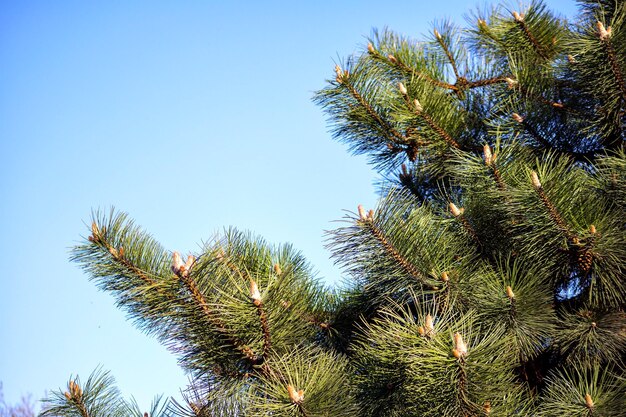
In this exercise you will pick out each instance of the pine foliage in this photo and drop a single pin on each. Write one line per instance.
(489, 280)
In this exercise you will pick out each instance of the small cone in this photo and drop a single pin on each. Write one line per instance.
(362, 213)
(429, 325)
(488, 154)
(456, 212)
(418, 106)
(511, 82)
(459, 345)
(255, 294)
(604, 33)
(535, 180)
(402, 89)
(509, 292)
(296, 396)
(177, 263)
(517, 118)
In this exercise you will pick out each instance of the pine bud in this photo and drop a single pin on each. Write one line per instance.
(402, 89)
(113, 251)
(588, 401)
(571, 59)
(444, 276)
(517, 118)
(254, 293)
(177, 263)
(592, 229)
(392, 59)
(418, 106)
(518, 17)
(488, 155)
(535, 180)
(511, 82)
(594, 324)
(190, 261)
(421, 331)
(67, 395)
(456, 212)
(605, 33)
(296, 396)
(487, 407)
(94, 230)
(121, 251)
(459, 346)
(437, 34)
(509, 292)
(429, 325)
(362, 213)
(277, 269)
(482, 24)
(370, 48)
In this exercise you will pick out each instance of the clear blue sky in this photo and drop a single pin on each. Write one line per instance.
(191, 116)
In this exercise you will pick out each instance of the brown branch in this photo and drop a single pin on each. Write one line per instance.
(438, 129)
(554, 214)
(615, 68)
(265, 328)
(485, 82)
(395, 136)
(198, 297)
(538, 48)
(418, 74)
(390, 249)
(445, 48)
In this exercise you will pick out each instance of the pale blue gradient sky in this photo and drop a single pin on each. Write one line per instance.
(191, 116)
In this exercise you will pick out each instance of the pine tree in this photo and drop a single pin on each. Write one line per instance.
(489, 281)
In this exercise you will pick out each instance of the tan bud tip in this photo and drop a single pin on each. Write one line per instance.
(418, 106)
(603, 32)
(429, 324)
(511, 82)
(445, 277)
(592, 229)
(392, 59)
(255, 294)
(456, 212)
(588, 401)
(594, 324)
(437, 34)
(113, 251)
(121, 251)
(482, 24)
(535, 180)
(370, 48)
(370, 215)
(487, 407)
(402, 89)
(177, 262)
(518, 17)
(338, 70)
(456, 354)
(488, 154)
(67, 395)
(362, 213)
(571, 59)
(94, 229)
(190, 261)
(277, 269)
(509, 292)
(459, 344)
(517, 118)
(296, 396)
(421, 331)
